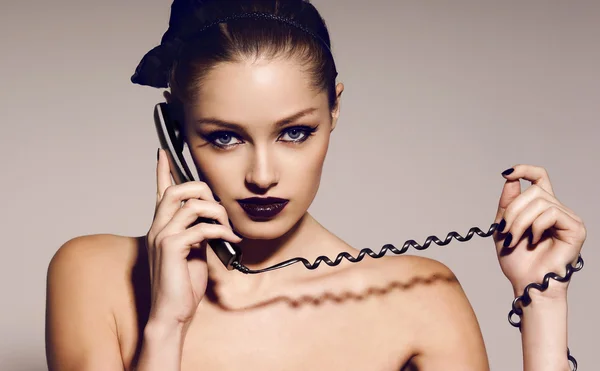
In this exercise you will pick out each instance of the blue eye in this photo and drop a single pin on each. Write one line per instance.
(297, 134)
(223, 139)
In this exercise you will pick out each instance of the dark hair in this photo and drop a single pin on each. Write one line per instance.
(202, 34)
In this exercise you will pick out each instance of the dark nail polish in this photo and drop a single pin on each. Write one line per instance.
(508, 240)
(501, 226)
(508, 171)
(157, 154)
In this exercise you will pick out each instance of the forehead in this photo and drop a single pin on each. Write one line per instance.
(261, 91)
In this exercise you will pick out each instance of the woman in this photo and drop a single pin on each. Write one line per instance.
(253, 90)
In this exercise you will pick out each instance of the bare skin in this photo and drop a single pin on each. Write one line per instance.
(387, 314)
(141, 303)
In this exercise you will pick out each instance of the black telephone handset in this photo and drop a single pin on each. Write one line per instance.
(173, 144)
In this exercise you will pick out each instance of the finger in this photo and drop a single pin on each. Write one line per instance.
(562, 222)
(197, 269)
(174, 195)
(194, 209)
(522, 201)
(510, 191)
(524, 219)
(149, 255)
(535, 174)
(566, 229)
(163, 175)
(177, 246)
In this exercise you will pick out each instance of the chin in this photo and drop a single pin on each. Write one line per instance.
(265, 229)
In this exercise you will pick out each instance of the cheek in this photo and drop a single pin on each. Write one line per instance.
(307, 170)
(218, 172)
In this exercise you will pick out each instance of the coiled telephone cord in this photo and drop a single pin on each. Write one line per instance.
(524, 299)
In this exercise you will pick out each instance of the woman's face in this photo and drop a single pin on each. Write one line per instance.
(260, 129)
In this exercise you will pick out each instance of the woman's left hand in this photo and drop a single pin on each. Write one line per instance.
(541, 234)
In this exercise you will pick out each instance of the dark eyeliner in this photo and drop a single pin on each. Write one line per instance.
(212, 138)
(307, 130)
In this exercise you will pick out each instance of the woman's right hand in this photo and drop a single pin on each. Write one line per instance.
(178, 283)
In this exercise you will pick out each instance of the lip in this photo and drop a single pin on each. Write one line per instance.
(262, 208)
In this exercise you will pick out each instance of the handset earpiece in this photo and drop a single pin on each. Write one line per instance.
(173, 144)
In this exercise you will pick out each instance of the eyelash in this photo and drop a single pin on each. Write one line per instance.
(212, 138)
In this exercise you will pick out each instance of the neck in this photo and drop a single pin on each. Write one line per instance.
(303, 240)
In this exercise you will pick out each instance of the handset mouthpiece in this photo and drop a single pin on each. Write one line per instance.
(227, 252)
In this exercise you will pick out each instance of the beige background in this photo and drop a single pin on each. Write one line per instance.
(440, 98)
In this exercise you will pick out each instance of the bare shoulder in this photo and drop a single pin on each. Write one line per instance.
(430, 290)
(101, 263)
(448, 335)
(91, 250)
(420, 288)
(421, 276)
(406, 273)
(109, 271)
(89, 280)
(421, 298)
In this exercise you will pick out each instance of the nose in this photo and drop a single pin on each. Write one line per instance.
(262, 172)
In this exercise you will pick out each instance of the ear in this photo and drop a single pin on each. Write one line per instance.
(335, 113)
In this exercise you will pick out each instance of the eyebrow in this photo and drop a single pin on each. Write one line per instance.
(232, 125)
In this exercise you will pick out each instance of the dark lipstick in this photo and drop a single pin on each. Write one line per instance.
(262, 207)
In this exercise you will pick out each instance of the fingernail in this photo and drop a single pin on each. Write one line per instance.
(157, 154)
(508, 239)
(501, 225)
(508, 171)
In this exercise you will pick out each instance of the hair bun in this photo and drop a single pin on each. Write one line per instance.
(187, 16)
